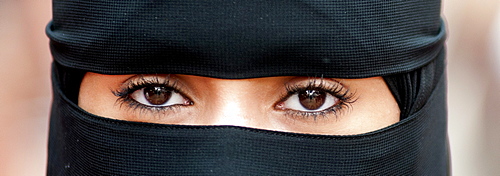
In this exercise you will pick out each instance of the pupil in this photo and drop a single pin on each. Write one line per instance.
(312, 99)
(157, 95)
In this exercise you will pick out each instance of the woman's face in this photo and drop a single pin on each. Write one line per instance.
(288, 103)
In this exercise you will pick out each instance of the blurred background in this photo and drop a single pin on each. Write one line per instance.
(473, 75)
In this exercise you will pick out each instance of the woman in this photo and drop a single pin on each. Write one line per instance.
(247, 88)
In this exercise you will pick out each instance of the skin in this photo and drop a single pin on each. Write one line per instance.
(255, 103)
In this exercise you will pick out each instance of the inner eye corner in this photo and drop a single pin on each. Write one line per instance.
(280, 105)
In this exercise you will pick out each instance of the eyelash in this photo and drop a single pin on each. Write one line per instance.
(124, 93)
(344, 95)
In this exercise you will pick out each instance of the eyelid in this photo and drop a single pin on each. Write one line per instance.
(149, 79)
(137, 82)
(327, 84)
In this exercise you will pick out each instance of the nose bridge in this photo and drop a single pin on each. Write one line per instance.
(230, 112)
(231, 103)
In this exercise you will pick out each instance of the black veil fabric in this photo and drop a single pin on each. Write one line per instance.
(247, 39)
(411, 90)
(403, 41)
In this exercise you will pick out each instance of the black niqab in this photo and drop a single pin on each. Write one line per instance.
(403, 41)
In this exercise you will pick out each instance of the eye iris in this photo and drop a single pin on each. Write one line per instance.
(312, 99)
(157, 95)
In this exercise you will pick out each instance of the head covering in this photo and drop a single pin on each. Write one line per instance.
(400, 40)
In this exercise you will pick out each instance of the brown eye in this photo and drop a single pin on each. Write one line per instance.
(157, 95)
(312, 99)
(309, 101)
